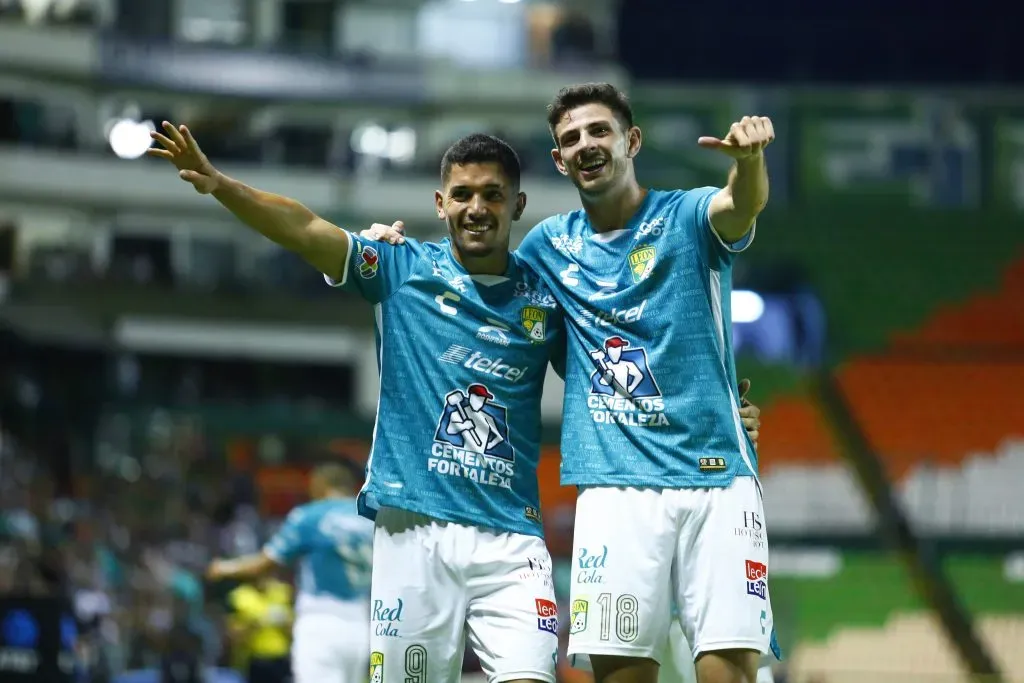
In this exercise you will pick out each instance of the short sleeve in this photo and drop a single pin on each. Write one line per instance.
(376, 270)
(289, 542)
(695, 211)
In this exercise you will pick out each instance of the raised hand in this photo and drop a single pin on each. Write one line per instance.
(182, 150)
(746, 138)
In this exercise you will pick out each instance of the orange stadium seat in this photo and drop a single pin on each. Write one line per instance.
(916, 410)
(944, 395)
(794, 432)
(987, 320)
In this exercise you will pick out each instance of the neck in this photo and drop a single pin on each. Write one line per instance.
(494, 264)
(613, 209)
(335, 493)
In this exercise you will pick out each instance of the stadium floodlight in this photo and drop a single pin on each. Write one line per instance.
(371, 140)
(401, 146)
(129, 139)
(747, 306)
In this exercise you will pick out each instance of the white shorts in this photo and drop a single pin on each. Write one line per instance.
(327, 648)
(636, 551)
(437, 584)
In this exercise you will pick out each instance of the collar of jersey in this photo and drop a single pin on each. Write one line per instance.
(630, 226)
(487, 280)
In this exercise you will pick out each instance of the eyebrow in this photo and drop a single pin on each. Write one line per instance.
(489, 186)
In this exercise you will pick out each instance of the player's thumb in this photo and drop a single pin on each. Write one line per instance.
(744, 388)
(203, 184)
(710, 142)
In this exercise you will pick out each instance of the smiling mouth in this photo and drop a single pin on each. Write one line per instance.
(476, 229)
(592, 167)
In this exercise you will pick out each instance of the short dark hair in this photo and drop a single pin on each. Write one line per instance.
(480, 148)
(573, 96)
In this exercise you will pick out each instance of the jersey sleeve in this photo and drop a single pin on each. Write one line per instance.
(695, 209)
(376, 270)
(290, 540)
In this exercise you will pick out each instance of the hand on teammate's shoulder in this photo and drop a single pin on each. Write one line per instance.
(379, 232)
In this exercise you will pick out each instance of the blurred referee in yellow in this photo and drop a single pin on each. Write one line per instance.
(261, 627)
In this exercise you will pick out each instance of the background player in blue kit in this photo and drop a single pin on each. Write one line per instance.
(333, 547)
(464, 336)
(651, 433)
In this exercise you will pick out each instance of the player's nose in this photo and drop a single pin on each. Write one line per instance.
(477, 207)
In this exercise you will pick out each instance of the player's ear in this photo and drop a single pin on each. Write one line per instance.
(439, 205)
(520, 206)
(556, 156)
(634, 139)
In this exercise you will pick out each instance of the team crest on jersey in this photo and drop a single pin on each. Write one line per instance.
(535, 323)
(376, 667)
(471, 440)
(368, 262)
(578, 616)
(641, 262)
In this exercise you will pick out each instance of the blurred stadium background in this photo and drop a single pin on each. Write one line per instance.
(167, 378)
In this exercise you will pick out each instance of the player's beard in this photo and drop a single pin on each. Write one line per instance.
(605, 182)
(479, 245)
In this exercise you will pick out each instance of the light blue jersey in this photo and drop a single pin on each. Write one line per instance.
(462, 361)
(334, 548)
(650, 396)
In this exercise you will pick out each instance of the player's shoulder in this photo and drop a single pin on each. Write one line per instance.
(679, 197)
(562, 231)
(571, 220)
(344, 514)
(685, 200)
(301, 514)
(411, 248)
(430, 249)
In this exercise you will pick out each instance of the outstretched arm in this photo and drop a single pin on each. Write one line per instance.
(280, 219)
(734, 209)
(245, 567)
